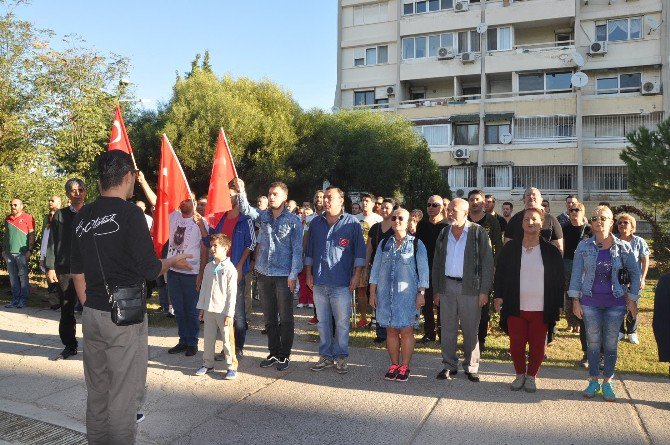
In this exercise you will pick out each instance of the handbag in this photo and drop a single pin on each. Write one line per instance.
(623, 275)
(129, 303)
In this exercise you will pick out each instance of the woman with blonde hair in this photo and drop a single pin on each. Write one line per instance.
(627, 225)
(605, 284)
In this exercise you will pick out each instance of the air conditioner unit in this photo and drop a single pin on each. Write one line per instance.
(461, 5)
(390, 91)
(446, 53)
(598, 48)
(468, 58)
(461, 153)
(651, 87)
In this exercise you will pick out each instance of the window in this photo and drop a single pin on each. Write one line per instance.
(618, 30)
(426, 46)
(564, 38)
(606, 178)
(499, 39)
(466, 134)
(546, 177)
(468, 41)
(436, 135)
(408, 8)
(364, 97)
(624, 83)
(548, 82)
(417, 96)
(497, 176)
(433, 5)
(494, 131)
(373, 13)
(421, 6)
(462, 177)
(371, 56)
(447, 4)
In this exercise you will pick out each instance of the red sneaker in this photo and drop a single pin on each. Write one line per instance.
(362, 323)
(392, 373)
(313, 320)
(403, 374)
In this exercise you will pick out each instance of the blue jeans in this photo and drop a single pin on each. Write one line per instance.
(602, 330)
(163, 298)
(184, 297)
(240, 324)
(333, 302)
(17, 267)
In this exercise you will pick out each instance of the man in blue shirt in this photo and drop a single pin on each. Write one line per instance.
(333, 263)
(278, 262)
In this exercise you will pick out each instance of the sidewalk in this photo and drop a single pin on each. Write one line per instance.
(299, 406)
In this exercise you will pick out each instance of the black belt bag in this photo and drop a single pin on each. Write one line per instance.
(129, 303)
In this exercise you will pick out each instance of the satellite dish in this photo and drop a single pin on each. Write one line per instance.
(579, 79)
(653, 24)
(460, 193)
(482, 27)
(505, 138)
(578, 59)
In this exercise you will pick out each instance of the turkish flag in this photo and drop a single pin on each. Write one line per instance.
(172, 190)
(118, 140)
(223, 171)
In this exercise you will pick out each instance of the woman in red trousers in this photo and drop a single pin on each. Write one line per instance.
(528, 295)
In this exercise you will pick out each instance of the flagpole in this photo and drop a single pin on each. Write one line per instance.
(229, 152)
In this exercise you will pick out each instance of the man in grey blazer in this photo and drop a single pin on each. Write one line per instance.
(462, 278)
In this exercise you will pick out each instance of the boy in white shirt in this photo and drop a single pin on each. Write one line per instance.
(217, 306)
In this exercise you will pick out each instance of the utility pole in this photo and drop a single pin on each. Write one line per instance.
(482, 100)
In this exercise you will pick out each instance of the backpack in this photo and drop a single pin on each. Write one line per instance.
(415, 242)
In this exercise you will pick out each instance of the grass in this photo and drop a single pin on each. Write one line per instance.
(564, 351)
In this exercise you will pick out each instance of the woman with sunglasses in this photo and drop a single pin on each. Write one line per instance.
(398, 281)
(605, 284)
(627, 226)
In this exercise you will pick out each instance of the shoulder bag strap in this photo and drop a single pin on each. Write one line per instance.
(102, 270)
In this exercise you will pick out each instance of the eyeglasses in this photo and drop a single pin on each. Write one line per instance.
(575, 210)
(399, 218)
(434, 204)
(623, 223)
(545, 205)
(599, 218)
(378, 203)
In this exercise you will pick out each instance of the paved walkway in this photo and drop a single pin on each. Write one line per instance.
(304, 407)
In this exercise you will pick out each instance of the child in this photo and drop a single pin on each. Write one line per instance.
(217, 305)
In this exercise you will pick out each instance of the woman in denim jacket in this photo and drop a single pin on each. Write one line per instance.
(398, 280)
(600, 299)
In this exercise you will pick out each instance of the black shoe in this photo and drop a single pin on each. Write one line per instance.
(66, 353)
(239, 354)
(54, 307)
(443, 374)
(472, 376)
(426, 339)
(264, 332)
(269, 361)
(191, 351)
(181, 347)
(140, 417)
(379, 340)
(282, 364)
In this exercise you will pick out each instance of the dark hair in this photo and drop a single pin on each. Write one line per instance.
(221, 240)
(604, 203)
(113, 165)
(490, 196)
(72, 181)
(366, 195)
(475, 192)
(570, 197)
(390, 201)
(507, 203)
(261, 197)
(281, 185)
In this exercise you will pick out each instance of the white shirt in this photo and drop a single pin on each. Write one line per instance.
(453, 265)
(185, 238)
(371, 219)
(150, 221)
(531, 280)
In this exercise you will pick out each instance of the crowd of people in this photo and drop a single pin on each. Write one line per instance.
(450, 265)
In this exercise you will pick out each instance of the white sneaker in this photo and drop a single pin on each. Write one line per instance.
(621, 336)
(300, 305)
(633, 339)
(203, 370)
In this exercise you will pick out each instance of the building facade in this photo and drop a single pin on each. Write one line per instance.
(512, 93)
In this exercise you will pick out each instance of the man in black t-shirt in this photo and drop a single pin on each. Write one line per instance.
(551, 228)
(115, 357)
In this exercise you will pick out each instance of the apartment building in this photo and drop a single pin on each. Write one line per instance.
(513, 93)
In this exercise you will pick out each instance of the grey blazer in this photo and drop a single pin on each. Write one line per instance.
(477, 261)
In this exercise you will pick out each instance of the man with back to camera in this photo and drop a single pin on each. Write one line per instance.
(115, 357)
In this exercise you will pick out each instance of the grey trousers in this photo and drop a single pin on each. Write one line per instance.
(115, 368)
(454, 308)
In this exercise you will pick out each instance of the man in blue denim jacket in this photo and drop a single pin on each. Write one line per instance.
(334, 260)
(278, 262)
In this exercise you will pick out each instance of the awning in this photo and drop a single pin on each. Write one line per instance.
(462, 118)
(492, 117)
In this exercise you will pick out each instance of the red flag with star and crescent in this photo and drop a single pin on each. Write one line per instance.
(118, 140)
(223, 171)
(172, 190)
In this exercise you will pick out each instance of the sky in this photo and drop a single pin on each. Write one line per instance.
(291, 42)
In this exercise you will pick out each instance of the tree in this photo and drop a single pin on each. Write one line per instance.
(648, 161)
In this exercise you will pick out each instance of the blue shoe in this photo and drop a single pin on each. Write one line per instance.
(608, 392)
(10, 306)
(231, 374)
(591, 390)
(20, 306)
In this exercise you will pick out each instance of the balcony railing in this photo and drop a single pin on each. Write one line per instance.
(544, 129)
(612, 129)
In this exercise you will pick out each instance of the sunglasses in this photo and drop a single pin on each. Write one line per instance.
(545, 205)
(434, 204)
(378, 203)
(575, 210)
(599, 218)
(399, 218)
(623, 223)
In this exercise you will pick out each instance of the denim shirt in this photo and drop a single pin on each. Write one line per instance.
(584, 267)
(334, 251)
(640, 249)
(279, 241)
(394, 271)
